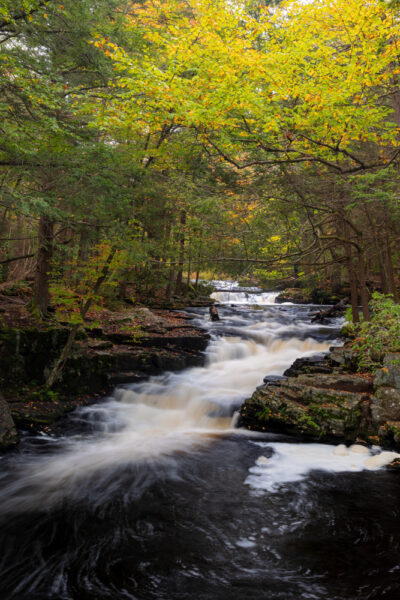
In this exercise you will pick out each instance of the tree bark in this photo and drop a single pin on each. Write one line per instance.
(43, 265)
(363, 286)
(181, 259)
(352, 276)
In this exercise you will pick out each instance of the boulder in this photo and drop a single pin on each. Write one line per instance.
(344, 382)
(344, 358)
(298, 405)
(309, 364)
(386, 405)
(294, 295)
(389, 375)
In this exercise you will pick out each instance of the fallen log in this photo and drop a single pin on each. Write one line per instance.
(333, 311)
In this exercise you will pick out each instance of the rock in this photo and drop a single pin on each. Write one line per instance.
(386, 405)
(180, 342)
(273, 379)
(8, 432)
(125, 377)
(99, 344)
(343, 357)
(294, 406)
(262, 460)
(341, 450)
(334, 405)
(389, 375)
(314, 296)
(294, 295)
(310, 364)
(347, 383)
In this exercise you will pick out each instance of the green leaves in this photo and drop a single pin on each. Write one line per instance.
(380, 335)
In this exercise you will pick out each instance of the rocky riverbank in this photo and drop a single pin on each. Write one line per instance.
(127, 346)
(310, 296)
(324, 398)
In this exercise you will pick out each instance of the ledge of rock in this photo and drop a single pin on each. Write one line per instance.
(322, 398)
(307, 296)
(101, 358)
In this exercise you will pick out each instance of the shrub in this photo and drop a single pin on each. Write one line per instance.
(374, 338)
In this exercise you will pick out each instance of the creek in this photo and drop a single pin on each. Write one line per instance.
(154, 493)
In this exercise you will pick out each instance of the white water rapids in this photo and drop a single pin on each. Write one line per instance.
(155, 421)
(230, 293)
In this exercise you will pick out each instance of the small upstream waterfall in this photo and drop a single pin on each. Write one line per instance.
(231, 293)
(154, 493)
(245, 298)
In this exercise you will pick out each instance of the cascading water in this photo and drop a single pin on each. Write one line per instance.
(231, 293)
(154, 493)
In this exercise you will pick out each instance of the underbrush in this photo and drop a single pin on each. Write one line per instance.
(374, 338)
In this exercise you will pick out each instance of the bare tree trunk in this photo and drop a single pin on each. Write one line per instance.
(352, 275)
(181, 259)
(363, 286)
(390, 271)
(43, 265)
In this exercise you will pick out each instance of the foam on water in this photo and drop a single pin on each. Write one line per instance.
(151, 422)
(290, 463)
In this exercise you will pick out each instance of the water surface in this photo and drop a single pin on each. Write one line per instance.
(154, 494)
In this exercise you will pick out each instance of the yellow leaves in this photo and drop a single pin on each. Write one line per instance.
(315, 70)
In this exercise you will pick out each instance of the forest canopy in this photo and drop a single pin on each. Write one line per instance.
(155, 142)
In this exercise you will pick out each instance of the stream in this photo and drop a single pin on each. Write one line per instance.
(155, 493)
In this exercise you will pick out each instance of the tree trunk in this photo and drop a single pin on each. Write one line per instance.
(43, 265)
(390, 272)
(181, 259)
(363, 286)
(352, 275)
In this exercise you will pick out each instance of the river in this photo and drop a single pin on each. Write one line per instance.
(154, 493)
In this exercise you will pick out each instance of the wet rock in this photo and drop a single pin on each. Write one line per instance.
(324, 398)
(344, 358)
(389, 375)
(386, 405)
(294, 295)
(181, 342)
(125, 377)
(8, 432)
(344, 382)
(296, 407)
(310, 364)
(273, 379)
(314, 296)
(100, 344)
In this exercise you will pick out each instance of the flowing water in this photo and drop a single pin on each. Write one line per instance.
(155, 494)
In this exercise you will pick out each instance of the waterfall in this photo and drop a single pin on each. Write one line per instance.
(152, 421)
